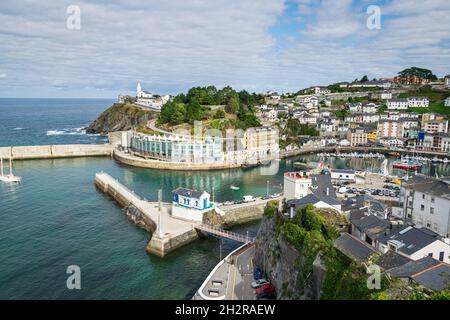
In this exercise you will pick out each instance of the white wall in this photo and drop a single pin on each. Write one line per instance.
(435, 248)
(187, 213)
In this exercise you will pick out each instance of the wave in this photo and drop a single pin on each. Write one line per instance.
(18, 128)
(71, 131)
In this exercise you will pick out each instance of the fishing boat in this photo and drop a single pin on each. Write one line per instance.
(249, 165)
(234, 187)
(407, 165)
(9, 177)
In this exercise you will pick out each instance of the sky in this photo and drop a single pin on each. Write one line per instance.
(173, 45)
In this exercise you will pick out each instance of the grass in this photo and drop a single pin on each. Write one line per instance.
(436, 102)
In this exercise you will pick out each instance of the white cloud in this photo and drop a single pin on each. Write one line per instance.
(172, 45)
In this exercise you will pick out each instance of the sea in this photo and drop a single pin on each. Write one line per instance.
(57, 218)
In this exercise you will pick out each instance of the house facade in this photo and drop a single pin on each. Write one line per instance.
(190, 204)
(426, 202)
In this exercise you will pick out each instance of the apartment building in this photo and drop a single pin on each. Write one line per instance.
(426, 202)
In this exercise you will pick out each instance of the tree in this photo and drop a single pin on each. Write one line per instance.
(364, 79)
(232, 104)
(418, 72)
(220, 114)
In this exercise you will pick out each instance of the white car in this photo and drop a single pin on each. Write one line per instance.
(259, 283)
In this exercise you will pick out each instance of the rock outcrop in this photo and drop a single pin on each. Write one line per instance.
(120, 117)
(283, 265)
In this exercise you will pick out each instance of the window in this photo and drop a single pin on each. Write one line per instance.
(441, 256)
(422, 207)
(430, 255)
(431, 210)
(423, 196)
(432, 199)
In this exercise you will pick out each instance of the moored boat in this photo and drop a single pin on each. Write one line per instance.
(407, 165)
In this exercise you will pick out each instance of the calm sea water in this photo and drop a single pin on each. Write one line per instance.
(57, 218)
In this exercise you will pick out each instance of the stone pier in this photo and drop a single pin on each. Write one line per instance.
(167, 233)
(56, 151)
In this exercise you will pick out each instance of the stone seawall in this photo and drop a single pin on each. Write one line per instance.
(243, 215)
(163, 165)
(56, 151)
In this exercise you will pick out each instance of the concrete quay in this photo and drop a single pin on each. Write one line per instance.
(56, 151)
(167, 233)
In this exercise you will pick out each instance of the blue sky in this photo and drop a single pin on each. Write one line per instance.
(170, 46)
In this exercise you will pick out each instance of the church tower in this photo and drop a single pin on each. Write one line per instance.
(138, 89)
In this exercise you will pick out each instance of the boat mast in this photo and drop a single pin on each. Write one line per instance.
(10, 166)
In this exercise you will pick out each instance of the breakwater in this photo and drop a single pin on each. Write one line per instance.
(56, 151)
(167, 233)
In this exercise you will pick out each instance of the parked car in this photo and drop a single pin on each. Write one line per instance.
(259, 283)
(257, 273)
(267, 288)
(266, 296)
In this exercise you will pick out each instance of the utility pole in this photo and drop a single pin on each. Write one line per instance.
(160, 213)
(267, 193)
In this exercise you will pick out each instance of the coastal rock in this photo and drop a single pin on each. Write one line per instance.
(120, 117)
(283, 265)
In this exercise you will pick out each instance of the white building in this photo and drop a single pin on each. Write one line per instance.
(381, 95)
(447, 102)
(398, 104)
(321, 90)
(343, 175)
(296, 184)
(426, 202)
(414, 243)
(418, 102)
(190, 204)
(147, 99)
(447, 81)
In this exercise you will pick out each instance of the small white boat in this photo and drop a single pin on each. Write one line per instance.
(234, 187)
(9, 177)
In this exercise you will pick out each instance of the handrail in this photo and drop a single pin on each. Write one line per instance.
(225, 233)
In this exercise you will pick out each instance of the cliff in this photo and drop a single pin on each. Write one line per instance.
(300, 260)
(120, 117)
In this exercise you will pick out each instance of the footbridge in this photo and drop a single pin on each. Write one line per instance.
(225, 233)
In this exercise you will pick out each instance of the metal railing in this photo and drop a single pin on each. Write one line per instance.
(225, 234)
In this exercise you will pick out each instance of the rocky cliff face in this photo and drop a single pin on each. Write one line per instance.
(120, 117)
(283, 265)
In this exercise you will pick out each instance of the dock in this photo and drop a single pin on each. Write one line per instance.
(56, 151)
(167, 233)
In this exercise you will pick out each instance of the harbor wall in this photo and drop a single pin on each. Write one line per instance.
(135, 211)
(161, 246)
(164, 165)
(243, 215)
(56, 151)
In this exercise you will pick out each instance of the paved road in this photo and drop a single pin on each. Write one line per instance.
(241, 276)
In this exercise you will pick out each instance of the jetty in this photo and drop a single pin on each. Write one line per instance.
(56, 151)
(167, 232)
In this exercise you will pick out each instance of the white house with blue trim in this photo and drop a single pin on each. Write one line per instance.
(190, 204)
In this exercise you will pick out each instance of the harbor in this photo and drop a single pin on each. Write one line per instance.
(169, 232)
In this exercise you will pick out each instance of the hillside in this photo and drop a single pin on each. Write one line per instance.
(120, 116)
(300, 260)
